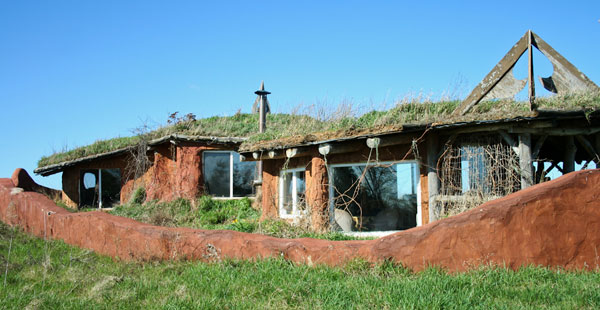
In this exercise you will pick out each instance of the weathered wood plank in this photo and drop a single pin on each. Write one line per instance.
(510, 141)
(492, 78)
(525, 163)
(433, 180)
(530, 72)
(588, 148)
(569, 155)
(297, 152)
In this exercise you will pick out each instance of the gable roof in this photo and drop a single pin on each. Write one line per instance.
(501, 83)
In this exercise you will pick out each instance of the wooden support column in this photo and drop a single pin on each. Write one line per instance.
(569, 159)
(509, 140)
(433, 180)
(525, 163)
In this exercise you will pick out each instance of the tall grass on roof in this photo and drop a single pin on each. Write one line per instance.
(237, 125)
(322, 122)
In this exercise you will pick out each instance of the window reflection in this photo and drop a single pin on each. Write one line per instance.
(380, 197)
(99, 188)
(217, 174)
(293, 187)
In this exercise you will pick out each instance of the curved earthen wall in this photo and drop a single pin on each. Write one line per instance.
(556, 223)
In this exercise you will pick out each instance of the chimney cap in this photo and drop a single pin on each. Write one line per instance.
(262, 90)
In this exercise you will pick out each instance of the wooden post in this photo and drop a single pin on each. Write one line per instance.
(530, 73)
(433, 180)
(539, 172)
(525, 164)
(569, 159)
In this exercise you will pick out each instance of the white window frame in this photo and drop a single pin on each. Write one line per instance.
(231, 162)
(382, 163)
(295, 210)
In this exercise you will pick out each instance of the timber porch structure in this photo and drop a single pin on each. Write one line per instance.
(416, 173)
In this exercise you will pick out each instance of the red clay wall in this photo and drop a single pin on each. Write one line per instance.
(176, 171)
(70, 177)
(270, 189)
(556, 223)
(317, 194)
(317, 183)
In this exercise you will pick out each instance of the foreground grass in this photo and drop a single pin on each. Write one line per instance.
(49, 275)
(207, 213)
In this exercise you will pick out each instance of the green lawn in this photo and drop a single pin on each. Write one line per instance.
(53, 275)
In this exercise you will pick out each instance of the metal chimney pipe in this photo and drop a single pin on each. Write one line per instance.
(262, 112)
(262, 124)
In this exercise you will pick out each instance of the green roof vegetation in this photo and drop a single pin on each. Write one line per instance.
(238, 125)
(290, 129)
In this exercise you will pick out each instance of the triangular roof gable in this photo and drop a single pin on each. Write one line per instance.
(501, 82)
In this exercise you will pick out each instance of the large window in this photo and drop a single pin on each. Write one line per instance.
(99, 188)
(379, 197)
(292, 187)
(226, 176)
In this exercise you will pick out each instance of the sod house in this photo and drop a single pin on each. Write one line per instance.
(383, 171)
(169, 167)
(422, 161)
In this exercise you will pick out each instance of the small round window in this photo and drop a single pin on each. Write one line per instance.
(89, 180)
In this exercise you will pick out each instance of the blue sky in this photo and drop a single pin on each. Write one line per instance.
(73, 72)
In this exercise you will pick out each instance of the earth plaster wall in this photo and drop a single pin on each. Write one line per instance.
(555, 224)
(317, 182)
(175, 171)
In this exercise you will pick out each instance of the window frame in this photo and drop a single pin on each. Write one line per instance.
(99, 182)
(231, 170)
(416, 173)
(295, 211)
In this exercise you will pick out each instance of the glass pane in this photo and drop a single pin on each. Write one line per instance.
(344, 188)
(243, 176)
(111, 187)
(380, 197)
(287, 203)
(407, 179)
(89, 180)
(300, 189)
(216, 173)
(88, 188)
(474, 170)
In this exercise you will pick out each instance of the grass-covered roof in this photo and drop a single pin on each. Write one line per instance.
(294, 129)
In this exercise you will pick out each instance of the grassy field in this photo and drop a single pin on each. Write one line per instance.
(38, 274)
